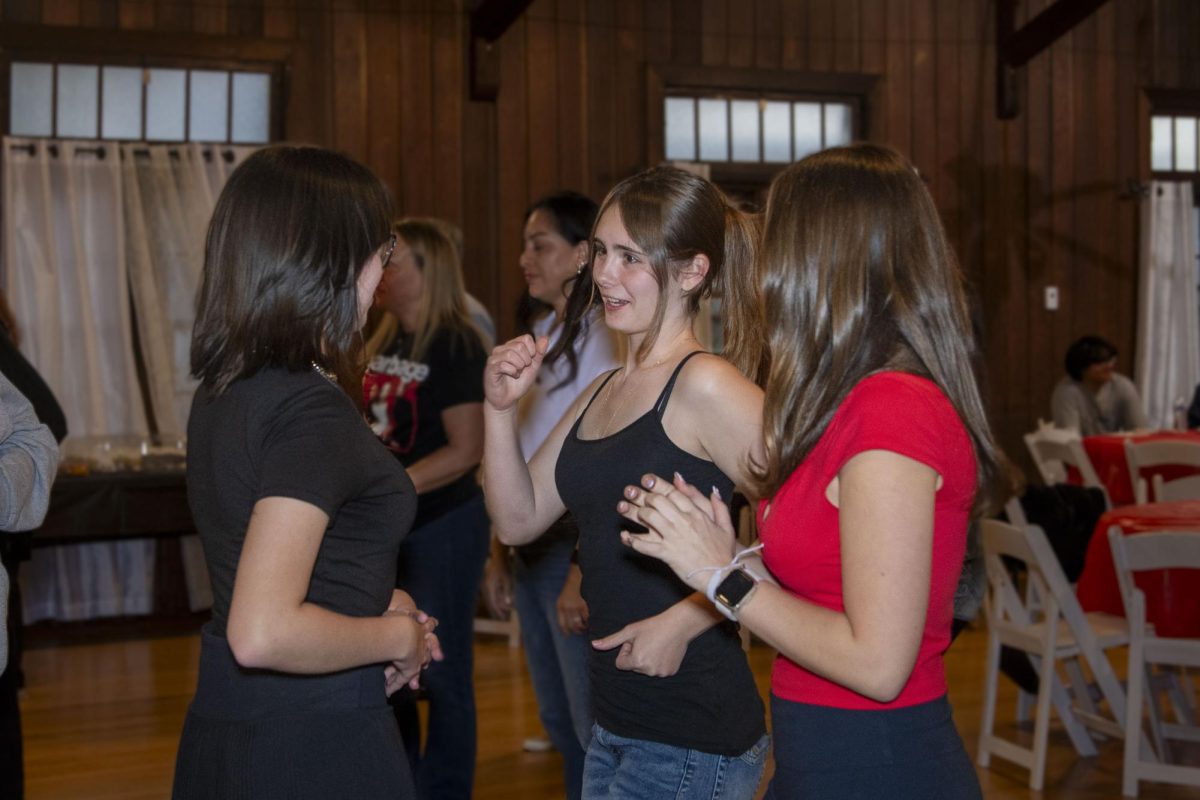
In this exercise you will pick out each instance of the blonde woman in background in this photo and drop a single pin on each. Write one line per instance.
(425, 373)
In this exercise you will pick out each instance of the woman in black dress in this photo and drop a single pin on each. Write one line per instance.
(300, 509)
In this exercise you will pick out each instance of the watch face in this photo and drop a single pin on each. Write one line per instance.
(734, 588)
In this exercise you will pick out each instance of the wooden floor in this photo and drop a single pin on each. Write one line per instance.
(102, 720)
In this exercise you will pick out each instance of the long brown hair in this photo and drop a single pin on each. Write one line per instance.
(673, 216)
(443, 296)
(857, 278)
(291, 232)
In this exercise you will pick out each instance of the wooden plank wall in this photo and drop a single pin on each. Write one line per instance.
(1028, 203)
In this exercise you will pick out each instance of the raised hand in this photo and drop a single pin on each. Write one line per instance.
(691, 533)
(511, 369)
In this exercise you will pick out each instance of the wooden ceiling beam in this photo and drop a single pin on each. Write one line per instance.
(489, 20)
(1014, 48)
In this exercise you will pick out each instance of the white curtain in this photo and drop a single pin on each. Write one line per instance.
(65, 274)
(1168, 340)
(170, 192)
(87, 225)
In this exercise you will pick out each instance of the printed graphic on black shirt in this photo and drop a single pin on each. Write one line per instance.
(392, 380)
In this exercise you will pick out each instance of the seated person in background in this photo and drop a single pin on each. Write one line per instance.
(1093, 398)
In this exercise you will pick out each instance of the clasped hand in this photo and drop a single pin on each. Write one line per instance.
(691, 533)
(407, 671)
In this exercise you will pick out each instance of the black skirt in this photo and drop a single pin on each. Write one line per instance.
(259, 734)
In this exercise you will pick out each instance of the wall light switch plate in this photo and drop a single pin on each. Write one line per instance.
(1052, 298)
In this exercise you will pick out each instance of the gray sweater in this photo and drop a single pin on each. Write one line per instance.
(1116, 407)
(28, 460)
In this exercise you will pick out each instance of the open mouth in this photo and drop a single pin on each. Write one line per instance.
(614, 304)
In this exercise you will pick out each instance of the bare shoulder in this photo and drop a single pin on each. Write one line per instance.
(716, 396)
(708, 378)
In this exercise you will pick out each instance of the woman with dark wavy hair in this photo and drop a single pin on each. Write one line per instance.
(877, 451)
(539, 580)
(300, 509)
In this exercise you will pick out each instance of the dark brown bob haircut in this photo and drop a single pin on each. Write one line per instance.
(292, 231)
(857, 278)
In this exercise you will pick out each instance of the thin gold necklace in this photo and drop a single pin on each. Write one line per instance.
(620, 400)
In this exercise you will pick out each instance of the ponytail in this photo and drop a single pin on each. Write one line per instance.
(741, 309)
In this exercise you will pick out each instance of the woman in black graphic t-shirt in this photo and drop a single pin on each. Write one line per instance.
(423, 395)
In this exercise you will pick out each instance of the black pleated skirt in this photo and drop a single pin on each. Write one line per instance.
(263, 735)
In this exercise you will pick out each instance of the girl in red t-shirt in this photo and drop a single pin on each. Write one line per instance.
(876, 441)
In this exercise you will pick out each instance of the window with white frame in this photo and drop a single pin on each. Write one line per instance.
(99, 101)
(753, 130)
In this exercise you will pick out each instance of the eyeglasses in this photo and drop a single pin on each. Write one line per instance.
(386, 258)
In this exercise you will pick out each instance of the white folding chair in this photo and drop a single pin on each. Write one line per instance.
(1058, 631)
(1054, 449)
(1141, 455)
(509, 628)
(1137, 553)
(1179, 489)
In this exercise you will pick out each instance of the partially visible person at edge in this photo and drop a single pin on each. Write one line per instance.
(552, 613)
(864, 521)
(16, 548)
(1093, 398)
(677, 712)
(299, 509)
(427, 358)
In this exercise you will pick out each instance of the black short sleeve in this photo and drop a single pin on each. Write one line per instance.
(303, 452)
(458, 362)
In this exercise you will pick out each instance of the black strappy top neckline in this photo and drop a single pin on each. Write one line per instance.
(660, 405)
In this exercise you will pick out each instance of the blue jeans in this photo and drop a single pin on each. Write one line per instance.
(441, 566)
(557, 661)
(635, 769)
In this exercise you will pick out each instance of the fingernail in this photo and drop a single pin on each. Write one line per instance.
(622, 506)
(717, 493)
(648, 482)
(630, 492)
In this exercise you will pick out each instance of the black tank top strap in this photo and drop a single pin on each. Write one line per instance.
(661, 405)
(596, 393)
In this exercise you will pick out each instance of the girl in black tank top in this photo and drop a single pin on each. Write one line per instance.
(678, 715)
(621, 587)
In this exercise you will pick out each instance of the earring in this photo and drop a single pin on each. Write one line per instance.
(579, 269)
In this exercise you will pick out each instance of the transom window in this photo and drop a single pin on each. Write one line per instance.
(1174, 143)
(753, 130)
(95, 101)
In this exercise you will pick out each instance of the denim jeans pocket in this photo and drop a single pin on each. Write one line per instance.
(757, 754)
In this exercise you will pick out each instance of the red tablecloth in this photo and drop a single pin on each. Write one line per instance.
(1107, 454)
(1172, 595)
